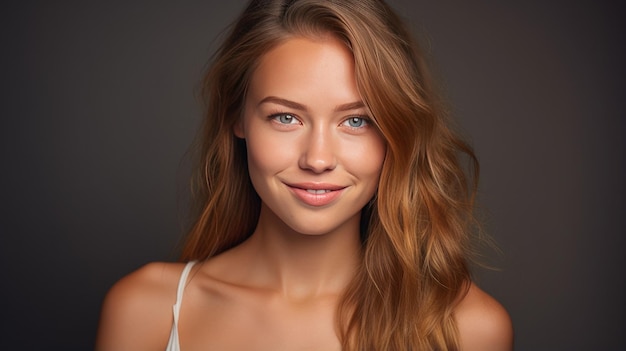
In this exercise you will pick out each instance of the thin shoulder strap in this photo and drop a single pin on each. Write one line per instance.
(173, 344)
(181, 289)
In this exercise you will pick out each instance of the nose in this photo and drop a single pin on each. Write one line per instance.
(318, 153)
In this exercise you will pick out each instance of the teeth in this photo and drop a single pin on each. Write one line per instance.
(317, 192)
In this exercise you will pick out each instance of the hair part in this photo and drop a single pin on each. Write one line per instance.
(415, 231)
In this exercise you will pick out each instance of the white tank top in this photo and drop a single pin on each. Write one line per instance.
(173, 344)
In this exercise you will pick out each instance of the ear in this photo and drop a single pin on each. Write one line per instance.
(238, 129)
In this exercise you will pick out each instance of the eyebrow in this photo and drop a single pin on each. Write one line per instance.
(297, 106)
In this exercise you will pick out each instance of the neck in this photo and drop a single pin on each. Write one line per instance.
(300, 265)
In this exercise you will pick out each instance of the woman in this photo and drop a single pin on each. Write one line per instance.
(334, 213)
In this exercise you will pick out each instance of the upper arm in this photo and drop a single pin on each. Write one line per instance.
(137, 311)
(483, 323)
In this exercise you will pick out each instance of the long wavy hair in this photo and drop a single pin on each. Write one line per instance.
(416, 230)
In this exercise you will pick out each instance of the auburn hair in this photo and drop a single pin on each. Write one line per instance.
(416, 230)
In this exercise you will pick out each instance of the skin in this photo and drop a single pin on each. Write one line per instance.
(305, 127)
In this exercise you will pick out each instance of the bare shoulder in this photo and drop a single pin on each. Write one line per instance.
(483, 322)
(137, 310)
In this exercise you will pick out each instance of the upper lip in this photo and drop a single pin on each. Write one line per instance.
(315, 186)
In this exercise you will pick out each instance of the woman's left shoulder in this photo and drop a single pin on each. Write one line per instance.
(483, 323)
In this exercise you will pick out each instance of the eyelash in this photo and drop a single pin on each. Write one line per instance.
(277, 116)
(364, 122)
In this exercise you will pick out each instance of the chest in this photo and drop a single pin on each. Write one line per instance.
(258, 322)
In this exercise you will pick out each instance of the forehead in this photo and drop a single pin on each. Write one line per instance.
(306, 69)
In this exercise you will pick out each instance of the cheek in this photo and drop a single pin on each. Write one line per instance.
(377, 153)
(367, 158)
(267, 154)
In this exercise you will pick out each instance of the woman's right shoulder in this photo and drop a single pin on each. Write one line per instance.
(137, 311)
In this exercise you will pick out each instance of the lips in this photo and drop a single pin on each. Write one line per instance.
(316, 194)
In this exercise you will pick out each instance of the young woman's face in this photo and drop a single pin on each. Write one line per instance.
(314, 156)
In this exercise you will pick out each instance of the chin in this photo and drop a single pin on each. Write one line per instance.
(316, 228)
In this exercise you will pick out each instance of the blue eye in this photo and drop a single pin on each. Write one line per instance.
(285, 118)
(356, 122)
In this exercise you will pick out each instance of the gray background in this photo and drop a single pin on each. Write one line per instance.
(98, 110)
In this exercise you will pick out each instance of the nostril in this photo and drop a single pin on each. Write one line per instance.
(318, 153)
(318, 165)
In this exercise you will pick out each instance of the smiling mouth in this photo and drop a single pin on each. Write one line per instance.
(318, 192)
(316, 195)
